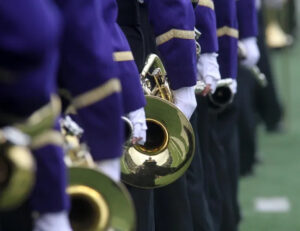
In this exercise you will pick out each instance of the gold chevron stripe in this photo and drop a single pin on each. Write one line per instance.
(207, 3)
(47, 138)
(122, 56)
(232, 32)
(95, 95)
(174, 33)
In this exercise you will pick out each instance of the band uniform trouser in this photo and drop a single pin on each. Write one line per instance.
(169, 213)
(202, 219)
(208, 145)
(247, 120)
(268, 105)
(228, 166)
(129, 21)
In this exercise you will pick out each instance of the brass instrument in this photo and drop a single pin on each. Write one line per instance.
(128, 129)
(198, 47)
(223, 95)
(276, 38)
(170, 143)
(17, 165)
(17, 168)
(97, 202)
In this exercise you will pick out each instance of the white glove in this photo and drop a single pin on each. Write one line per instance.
(138, 120)
(208, 70)
(252, 52)
(258, 4)
(53, 222)
(111, 168)
(233, 86)
(185, 100)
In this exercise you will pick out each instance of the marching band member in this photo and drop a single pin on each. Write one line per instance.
(248, 31)
(132, 92)
(235, 21)
(88, 72)
(228, 35)
(129, 19)
(173, 27)
(200, 174)
(175, 42)
(247, 84)
(28, 54)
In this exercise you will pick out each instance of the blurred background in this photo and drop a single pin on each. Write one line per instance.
(270, 186)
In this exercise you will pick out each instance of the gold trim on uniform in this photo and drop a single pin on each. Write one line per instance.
(42, 119)
(174, 33)
(122, 56)
(208, 3)
(50, 137)
(97, 94)
(232, 32)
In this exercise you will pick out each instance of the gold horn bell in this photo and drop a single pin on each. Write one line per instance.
(17, 170)
(97, 202)
(170, 144)
(17, 164)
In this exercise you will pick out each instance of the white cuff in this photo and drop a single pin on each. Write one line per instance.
(213, 82)
(111, 168)
(185, 100)
(233, 86)
(208, 70)
(252, 52)
(53, 222)
(208, 66)
(138, 120)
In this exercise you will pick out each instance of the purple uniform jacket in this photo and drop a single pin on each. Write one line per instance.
(28, 53)
(206, 24)
(173, 22)
(88, 71)
(227, 31)
(132, 92)
(25, 43)
(247, 18)
(29, 49)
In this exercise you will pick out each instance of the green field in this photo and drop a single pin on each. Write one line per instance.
(279, 174)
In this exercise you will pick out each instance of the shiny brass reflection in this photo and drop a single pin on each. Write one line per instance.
(17, 176)
(170, 143)
(89, 209)
(167, 155)
(157, 138)
(97, 202)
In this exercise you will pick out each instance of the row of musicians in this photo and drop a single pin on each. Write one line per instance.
(79, 46)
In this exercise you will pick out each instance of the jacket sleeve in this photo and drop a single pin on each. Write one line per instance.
(88, 72)
(173, 22)
(228, 34)
(206, 24)
(27, 33)
(29, 42)
(247, 18)
(132, 92)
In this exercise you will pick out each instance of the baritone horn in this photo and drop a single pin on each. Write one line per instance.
(97, 202)
(170, 143)
(17, 164)
(17, 168)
